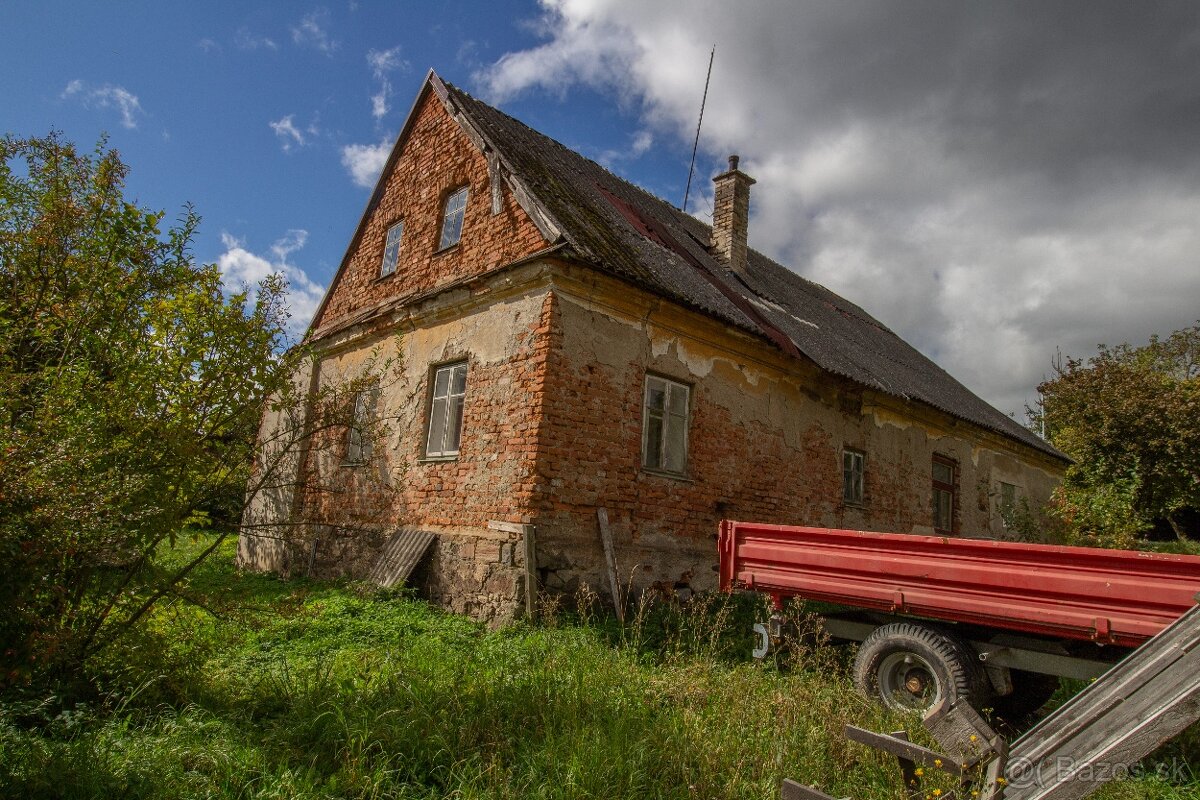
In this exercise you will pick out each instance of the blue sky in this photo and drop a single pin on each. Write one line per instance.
(269, 119)
(996, 182)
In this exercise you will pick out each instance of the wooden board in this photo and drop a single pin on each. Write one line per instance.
(610, 556)
(1145, 700)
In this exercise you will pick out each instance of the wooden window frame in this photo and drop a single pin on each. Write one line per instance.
(358, 449)
(850, 456)
(446, 401)
(664, 415)
(950, 488)
(458, 214)
(391, 249)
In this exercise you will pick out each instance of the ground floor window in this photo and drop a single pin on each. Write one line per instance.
(446, 410)
(853, 474)
(665, 425)
(945, 479)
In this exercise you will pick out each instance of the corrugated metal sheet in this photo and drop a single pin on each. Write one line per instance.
(400, 557)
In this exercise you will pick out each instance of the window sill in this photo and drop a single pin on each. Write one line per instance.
(383, 278)
(437, 459)
(859, 506)
(661, 473)
(447, 248)
(352, 464)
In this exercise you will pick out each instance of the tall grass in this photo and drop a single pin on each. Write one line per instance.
(303, 690)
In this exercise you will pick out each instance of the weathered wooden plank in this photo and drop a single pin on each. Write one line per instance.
(1150, 697)
(528, 539)
(798, 791)
(903, 749)
(610, 556)
(507, 527)
(963, 734)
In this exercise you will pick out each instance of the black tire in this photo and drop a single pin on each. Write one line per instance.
(1031, 691)
(911, 667)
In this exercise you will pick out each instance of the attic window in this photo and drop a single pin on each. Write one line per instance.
(452, 218)
(391, 250)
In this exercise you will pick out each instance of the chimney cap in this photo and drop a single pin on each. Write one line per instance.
(733, 162)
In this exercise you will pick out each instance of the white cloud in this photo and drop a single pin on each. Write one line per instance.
(383, 62)
(364, 162)
(245, 40)
(242, 269)
(209, 45)
(107, 96)
(312, 31)
(992, 187)
(291, 137)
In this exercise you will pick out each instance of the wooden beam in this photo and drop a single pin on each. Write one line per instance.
(529, 540)
(610, 556)
(906, 750)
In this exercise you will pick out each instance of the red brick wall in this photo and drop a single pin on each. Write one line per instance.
(437, 157)
(767, 450)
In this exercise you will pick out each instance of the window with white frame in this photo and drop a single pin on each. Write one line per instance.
(853, 471)
(446, 410)
(391, 250)
(665, 425)
(358, 445)
(452, 218)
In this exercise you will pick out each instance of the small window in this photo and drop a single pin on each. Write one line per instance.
(1008, 504)
(945, 478)
(665, 425)
(358, 446)
(391, 250)
(452, 218)
(853, 468)
(446, 410)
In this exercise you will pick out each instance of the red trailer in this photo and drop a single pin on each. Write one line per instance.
(995, 623)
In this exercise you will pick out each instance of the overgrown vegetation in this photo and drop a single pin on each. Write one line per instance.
(308, 690)
(1130, 418)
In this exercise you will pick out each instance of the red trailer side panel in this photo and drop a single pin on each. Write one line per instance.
(1110, 596)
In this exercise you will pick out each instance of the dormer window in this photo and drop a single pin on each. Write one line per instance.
(452, 218)
(391, 250)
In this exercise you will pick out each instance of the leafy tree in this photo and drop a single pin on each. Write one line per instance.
(131, 388)
(1130, 418)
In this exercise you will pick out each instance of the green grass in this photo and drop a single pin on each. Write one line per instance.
(309, 690)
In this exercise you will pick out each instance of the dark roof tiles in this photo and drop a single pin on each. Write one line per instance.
(620, 228)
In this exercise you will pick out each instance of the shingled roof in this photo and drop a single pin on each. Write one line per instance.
(621, 229)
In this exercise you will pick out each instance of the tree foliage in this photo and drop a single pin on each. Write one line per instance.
(131, 388)
(1130, 418)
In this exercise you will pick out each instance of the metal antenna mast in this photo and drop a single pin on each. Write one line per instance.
(696, 144)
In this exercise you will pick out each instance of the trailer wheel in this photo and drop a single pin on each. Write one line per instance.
(1031, 691)
(912, 667)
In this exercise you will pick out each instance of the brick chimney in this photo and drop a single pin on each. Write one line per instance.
(731, 213)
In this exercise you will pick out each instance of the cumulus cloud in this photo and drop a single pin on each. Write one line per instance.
(107, 96)
(290, 137)
(992, 182)
(364, 162)
(313, 31)
(242, 269)
(382, 63)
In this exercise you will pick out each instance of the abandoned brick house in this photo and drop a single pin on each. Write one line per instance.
(571, 343)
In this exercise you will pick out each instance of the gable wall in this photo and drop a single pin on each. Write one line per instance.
(436, 158)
